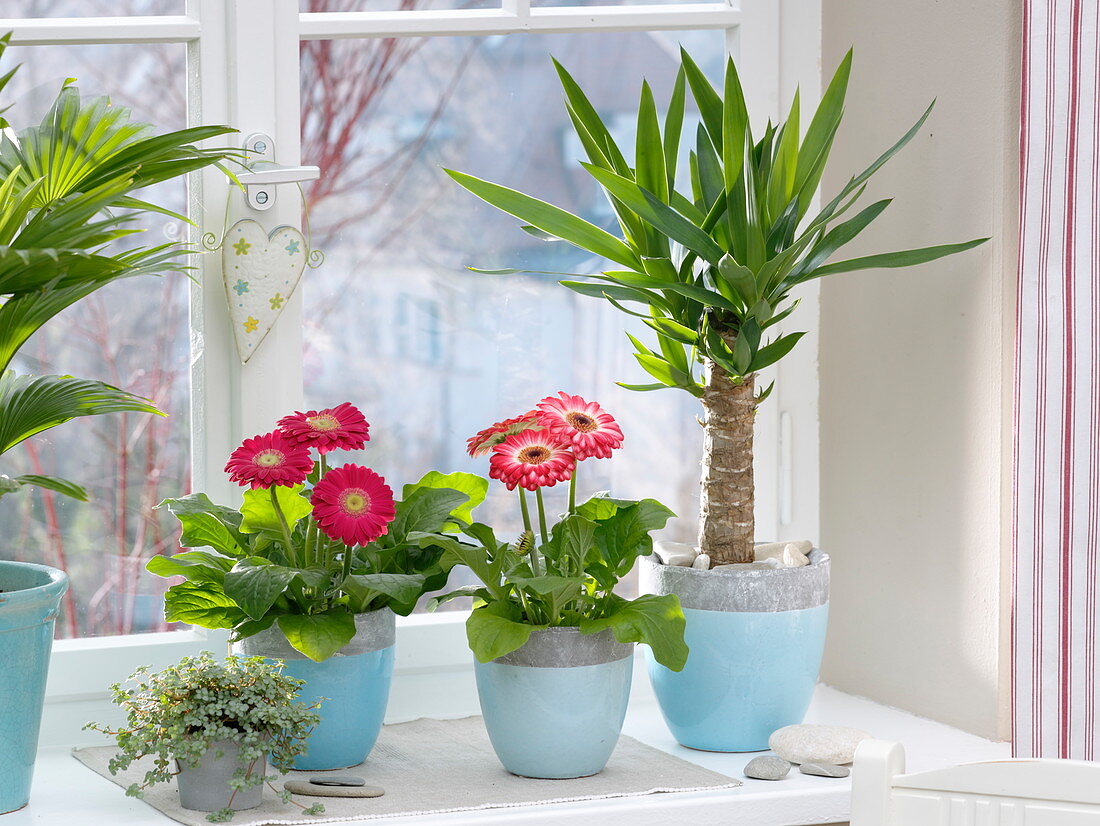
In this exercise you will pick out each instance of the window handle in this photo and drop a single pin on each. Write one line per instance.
(263, 177)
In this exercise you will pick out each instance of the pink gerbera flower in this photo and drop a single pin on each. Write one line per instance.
(585, 427)
(532, 459)
(493, 435)
(339, 428)
(353, 504)
(270, 459)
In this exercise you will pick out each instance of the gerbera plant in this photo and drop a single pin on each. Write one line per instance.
(312, 544)
(563, 571)
(710, 261)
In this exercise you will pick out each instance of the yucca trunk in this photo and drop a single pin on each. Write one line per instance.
(726, 505)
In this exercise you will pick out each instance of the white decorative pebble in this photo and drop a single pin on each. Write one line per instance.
(701, 563)
(767, 767)
(824, 770)
(817, 744)
(793, 558)
(675, 553)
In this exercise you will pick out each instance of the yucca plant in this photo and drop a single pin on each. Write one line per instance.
(711, 269)
(67, 193)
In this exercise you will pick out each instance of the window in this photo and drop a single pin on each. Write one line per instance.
(392, 319)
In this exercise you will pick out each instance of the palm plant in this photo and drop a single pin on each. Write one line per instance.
(712, 268)
(67, 192)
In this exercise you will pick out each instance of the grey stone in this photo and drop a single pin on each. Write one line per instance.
(337, 780)
(675, 553)
(567, 647)
(807, 743)
(304, 787)
(824, 770)
(701, 563)
(767, 767)
(738, 590)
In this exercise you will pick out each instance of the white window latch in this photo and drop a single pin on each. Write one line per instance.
(264, 176)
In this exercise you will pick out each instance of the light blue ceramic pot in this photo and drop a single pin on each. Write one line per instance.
(555, 707)
(756, 639)
(355, 685)
(30, 596)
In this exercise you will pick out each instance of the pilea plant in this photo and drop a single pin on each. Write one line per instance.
(176, 715)
(561, 574)
(710, 264)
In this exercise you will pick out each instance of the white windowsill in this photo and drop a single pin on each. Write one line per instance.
(67, 792)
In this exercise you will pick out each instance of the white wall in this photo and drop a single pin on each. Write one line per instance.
(916, 364)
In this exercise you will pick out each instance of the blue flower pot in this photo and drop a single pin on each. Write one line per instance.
(353, 686)
(756, 639)
(555, 707)
(30, 596)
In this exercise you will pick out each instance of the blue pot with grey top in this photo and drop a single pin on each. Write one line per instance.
(554, 708)
(756, 637)
(30, 597)
(352, 687)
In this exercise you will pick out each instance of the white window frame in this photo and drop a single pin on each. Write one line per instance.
(243, 69)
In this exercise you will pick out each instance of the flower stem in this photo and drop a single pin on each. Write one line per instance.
(542, 516)
(283, 524)
(523, 510)
(573, 492)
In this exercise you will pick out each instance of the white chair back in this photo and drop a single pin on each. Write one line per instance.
(995, 793)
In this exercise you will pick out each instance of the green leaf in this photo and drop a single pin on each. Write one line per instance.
(319, 636)
(663, 217)
(623, 528)
(203, 604)
(674, 124)
(662, 370)
(819, 135)
(494, 630)
(785, 168)
(904, 258)
(656, 621)
(196, 566)
(549, 219)
(774, 351)
(472, 486)
(54, 483)
(258, 512)
(205, 530)
(649, 148)
(736, 137)
(402, 589)
(706, 98)
(484, 560)
(255, 583)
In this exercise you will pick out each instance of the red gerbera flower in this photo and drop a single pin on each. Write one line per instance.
(339, 428)
(353, 504)
(270, 459)
(493, 435)
(585, 427)
(532, 459)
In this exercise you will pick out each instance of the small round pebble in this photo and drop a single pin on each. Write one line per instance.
(337, 780)
(808, 743)
(767, 767)
(824, 770)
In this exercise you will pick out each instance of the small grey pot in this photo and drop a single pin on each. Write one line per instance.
(205, 788)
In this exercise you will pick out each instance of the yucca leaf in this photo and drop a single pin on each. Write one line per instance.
(773, 352)
(838, 236)
(736, 134)
(819, 135)
(784, 169)
(708, 101)
(902, 258)
(54, 483)
(549, 218)
(674, 125)
(649, 164)
(587, 114)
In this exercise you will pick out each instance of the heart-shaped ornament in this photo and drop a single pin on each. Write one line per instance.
(261, 271)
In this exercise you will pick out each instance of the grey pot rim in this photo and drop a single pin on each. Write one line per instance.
(747, 590)
(564, 646)
(374, 631)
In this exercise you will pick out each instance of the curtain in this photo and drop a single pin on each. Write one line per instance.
(1056, 451)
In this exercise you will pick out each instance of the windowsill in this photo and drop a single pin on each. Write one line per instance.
(88, 798)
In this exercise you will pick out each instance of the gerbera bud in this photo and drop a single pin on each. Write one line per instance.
(584, 426)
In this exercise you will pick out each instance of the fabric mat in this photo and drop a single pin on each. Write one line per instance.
(432, 766)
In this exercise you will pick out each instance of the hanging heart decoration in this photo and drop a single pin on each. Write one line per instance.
(261, 271)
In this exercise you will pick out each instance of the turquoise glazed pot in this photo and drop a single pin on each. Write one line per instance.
(354, 682)
(555, 707)
(30, 596)
(756, 638)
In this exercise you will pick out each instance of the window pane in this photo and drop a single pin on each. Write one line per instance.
(88, 8)
(132, 334)
(393, 5)
(431, 351)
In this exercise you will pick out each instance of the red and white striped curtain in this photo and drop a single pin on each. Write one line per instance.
(1056, 500)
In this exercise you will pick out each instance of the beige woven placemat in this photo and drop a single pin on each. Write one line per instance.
(434, 766)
